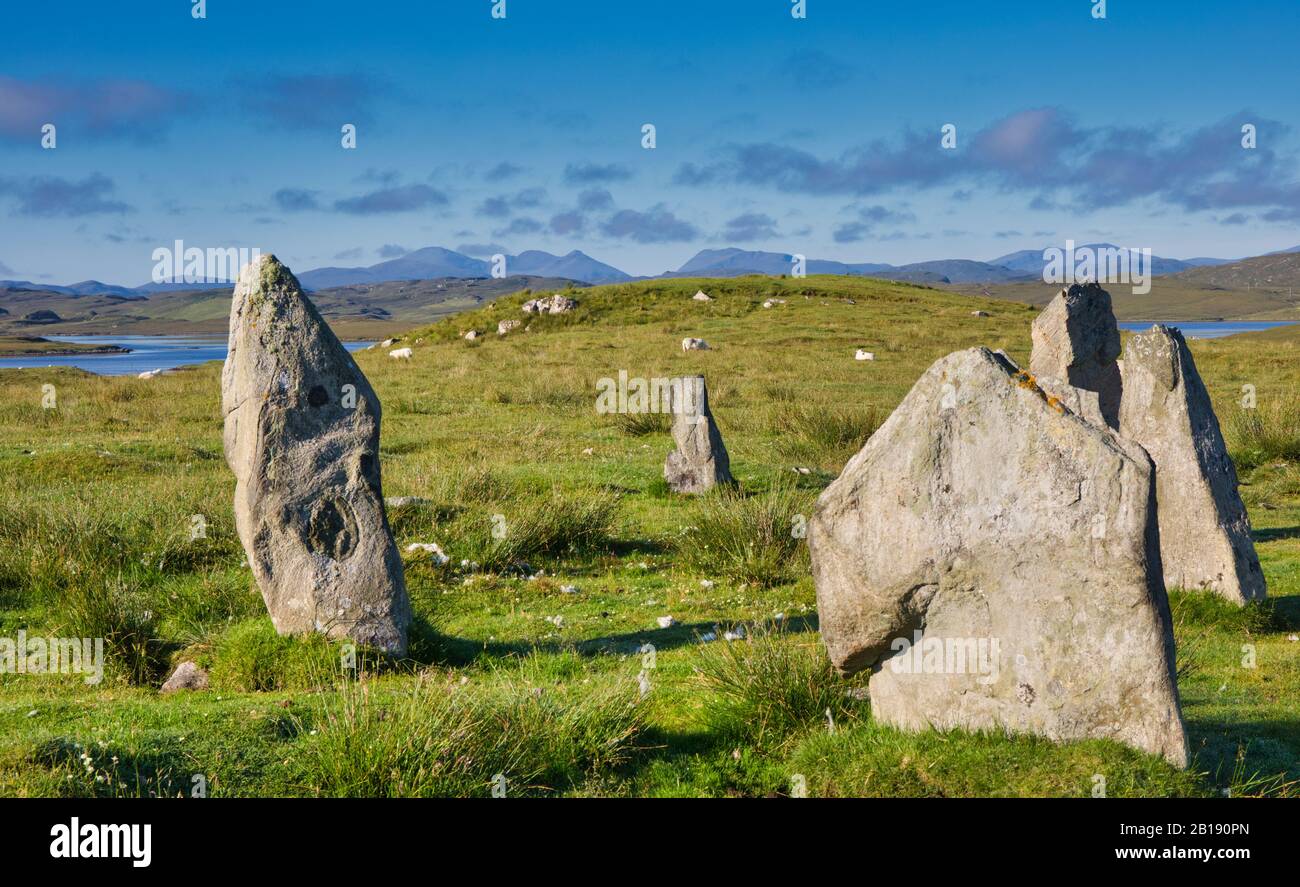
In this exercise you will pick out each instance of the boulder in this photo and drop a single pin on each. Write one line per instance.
(187, 676)
(1076, 340)
(1205, 539)
(302, 438)
(986, 521)
(689, 344)
(556, 304)
(861, 354)
(702, 296)
(506, 326)
(700, 460)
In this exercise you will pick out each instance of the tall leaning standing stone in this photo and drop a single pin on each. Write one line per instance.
(700, 460)
(994, 558)
(302, 437)
(1076, 341)
(1205, 539)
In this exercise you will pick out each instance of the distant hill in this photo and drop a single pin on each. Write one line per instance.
(1275, 271)
(434, 262)
(1031, 262)
(735, 262)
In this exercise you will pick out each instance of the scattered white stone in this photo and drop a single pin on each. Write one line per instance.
(404, 501)
(689, 344)
(736, 634)
(401, 354)
(149, 374)
(432, 549)
(666, 621)
(556, 304)
(706, 583)
(799, 469)
(506, 326)
(568, 589)
(32, 714)
(589, 451)
(702, 296)
(557, 621)
(472, 335)
(979, 314)
(864, 355)
(770, 302)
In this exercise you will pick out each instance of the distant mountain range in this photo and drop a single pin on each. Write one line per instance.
(434, 262)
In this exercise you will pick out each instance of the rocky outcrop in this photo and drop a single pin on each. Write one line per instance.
(995, 558)
(556, 304)
(1205, 539)
(1076, 340)
(700, 461)
(302, 438)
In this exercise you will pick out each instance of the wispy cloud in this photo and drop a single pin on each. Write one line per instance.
(51, 196)
(113, 107)
(595, 173)
(655, 225)
(311, 101)
(404, 198)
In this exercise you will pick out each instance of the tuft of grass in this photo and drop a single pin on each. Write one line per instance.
(441, 740)
(1267, 433)
(771, 686)
(642, 424)
(750, 537)
(251, 658)
(560, 524)
(824, 437)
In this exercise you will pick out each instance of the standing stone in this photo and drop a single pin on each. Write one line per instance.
(1076, 340)
(700, 460)
(994, 558)
(1205, 539)
(302, 437)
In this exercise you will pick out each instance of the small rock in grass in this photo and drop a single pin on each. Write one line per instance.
(666, 621)
(706, 583)
(735, 634)
(187, 676)
(864, 355)
(568, 589)
(702, 296)
(692, 344)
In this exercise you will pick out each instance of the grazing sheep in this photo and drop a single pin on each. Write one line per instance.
(401, 353)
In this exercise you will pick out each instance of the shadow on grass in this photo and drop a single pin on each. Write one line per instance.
(431, 647)
(1276, 534)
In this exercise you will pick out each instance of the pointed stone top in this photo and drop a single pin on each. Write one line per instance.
(1076, 340)
(266, 273)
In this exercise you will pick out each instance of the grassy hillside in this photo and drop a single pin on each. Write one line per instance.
(526, 659)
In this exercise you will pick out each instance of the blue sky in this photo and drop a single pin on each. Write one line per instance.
(819, 136)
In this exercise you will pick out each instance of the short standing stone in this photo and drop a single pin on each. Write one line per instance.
(187, 676)
(700, 460)
(702, 296)
(1076, 340)
(986, 522)
(302, 438)
(1205, 539)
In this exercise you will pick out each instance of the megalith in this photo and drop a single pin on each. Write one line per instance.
(1076, 341)
(1205, 539)
(700, 460)
(994, 558)
(302, 438)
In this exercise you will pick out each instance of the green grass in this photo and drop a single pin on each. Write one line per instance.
(536, 674)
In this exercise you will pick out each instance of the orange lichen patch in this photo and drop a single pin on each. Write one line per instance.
(1056, 404)
(1025, 380)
